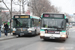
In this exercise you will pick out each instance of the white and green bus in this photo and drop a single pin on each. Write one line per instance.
(26, 25)
(53, 26)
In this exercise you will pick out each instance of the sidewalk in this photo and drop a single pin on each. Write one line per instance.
(3, 37)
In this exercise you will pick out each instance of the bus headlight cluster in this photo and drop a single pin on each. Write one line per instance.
(42, 33)
(30, 31)
(63, 35)
(14, 30)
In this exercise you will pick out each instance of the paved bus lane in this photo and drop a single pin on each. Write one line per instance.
(35, 43)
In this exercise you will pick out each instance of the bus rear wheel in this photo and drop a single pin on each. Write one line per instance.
(45, 39)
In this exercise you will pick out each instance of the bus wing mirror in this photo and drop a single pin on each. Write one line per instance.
(67, 21)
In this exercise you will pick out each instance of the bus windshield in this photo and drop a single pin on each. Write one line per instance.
(21, 23)
(53, 23)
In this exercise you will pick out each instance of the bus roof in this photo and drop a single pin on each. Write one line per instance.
(53, 14)
(35, 17)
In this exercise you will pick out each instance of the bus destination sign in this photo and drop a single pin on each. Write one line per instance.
(46, 15)
(53, 15)
(24, 16)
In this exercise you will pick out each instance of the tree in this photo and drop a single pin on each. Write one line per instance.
(7, 15)
(38, 7)
(54, 9)
(6, 5)
(21, 3)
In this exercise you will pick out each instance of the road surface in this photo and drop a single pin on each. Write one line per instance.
(35, 43)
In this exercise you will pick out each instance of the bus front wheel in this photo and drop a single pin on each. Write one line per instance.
(14, 33)
(19, 35)
(67, 36)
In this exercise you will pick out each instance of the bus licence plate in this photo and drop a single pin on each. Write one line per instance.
(21, 33)
(52, 37)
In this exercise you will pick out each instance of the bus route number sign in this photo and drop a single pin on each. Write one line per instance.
(24, 16)
(54, 15)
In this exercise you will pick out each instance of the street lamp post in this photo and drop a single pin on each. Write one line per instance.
(11, 8)
(20, 6)
(10, 16)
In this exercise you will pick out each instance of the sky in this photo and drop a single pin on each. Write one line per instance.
(65, 6)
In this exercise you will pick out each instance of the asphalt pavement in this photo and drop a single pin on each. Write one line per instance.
(35, 43)
(10, 36)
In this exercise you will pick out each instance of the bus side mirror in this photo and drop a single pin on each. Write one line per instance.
(67, 21)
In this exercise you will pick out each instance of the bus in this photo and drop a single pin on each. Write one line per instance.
(54, 26)
(26, 25)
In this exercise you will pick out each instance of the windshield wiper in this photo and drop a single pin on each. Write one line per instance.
(59, 29)
(52, 27)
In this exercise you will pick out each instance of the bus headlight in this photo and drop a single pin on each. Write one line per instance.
(14, 30)
(63, 35)
(30, 31)
(41, 33)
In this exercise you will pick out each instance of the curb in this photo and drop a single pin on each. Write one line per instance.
(7, 38)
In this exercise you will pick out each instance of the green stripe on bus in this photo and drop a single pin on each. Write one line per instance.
(41, 29)
(63, 31)
(41, 16)
(65, 17)
(34, 17)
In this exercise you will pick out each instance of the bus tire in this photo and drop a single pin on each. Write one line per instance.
(64, 40)
(67, 36)
(45, 39)
(35, 32)
(14, 33)
(19, 36)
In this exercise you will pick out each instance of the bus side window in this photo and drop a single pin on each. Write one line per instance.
(67, 21)
(32, 22)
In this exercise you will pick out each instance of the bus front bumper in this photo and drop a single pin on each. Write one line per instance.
(60, 38)
(24, 33)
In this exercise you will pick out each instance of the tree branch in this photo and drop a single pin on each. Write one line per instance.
(6, 5)
(17, 3)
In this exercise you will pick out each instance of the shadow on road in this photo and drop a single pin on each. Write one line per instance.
(53, 40)
(28, 36)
